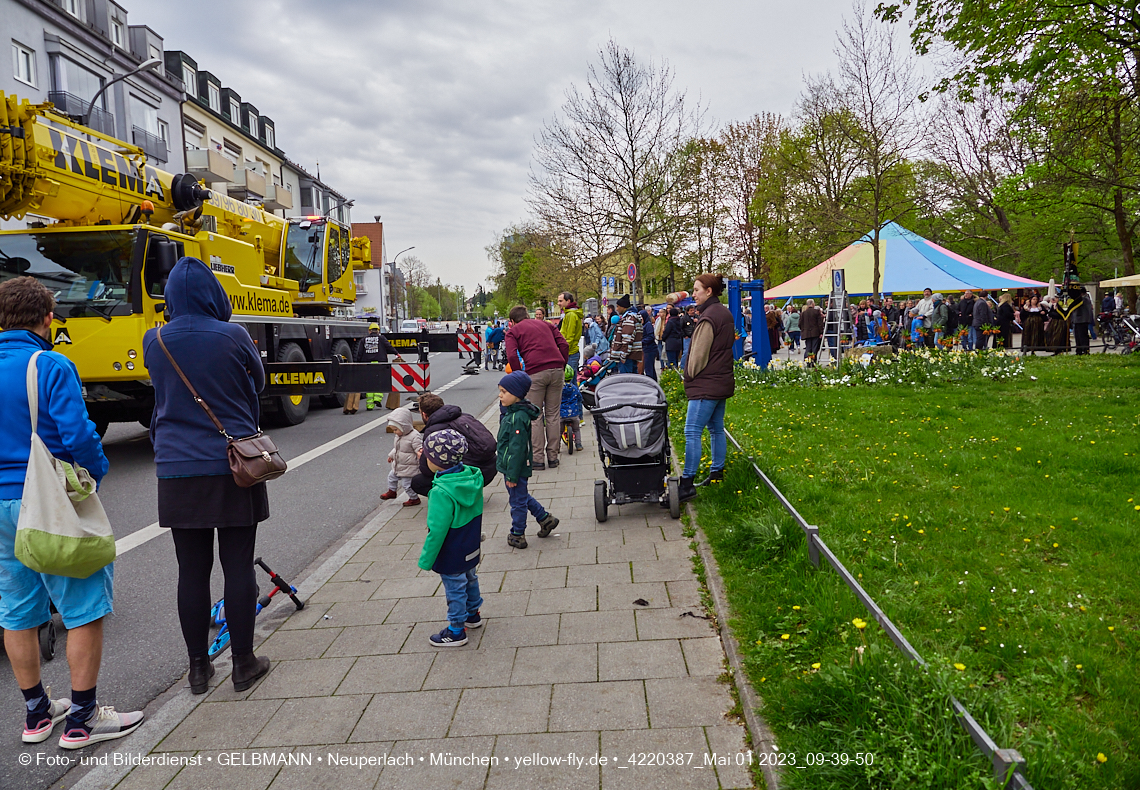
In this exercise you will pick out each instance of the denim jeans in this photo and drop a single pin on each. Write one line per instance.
(629, 366)
(972, 339)
(685, 351)
(463, 599)
(650, 357)
(521, 501)
(704, 413)
(573, 360)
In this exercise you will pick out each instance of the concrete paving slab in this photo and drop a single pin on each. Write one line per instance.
(642, 550)
(684, 593)
(585, 538)
(621, 776)
(552, 558)
(230, 774)
(314, 722)
(622, 596)
(614, 705)
(672, 624)
(674, 550)
(409, 715)
(728, 740)
(663, 571)
(424, 775)
(407, 588)
(345, 591)
(555, 664)
(511, 775)
(417, 610)
(148, 777)
(368, 640)
(687, 702)
(516, 559)
(315, 677)
(307, 617)
(563, 599)
(539, 629)
(376, 674)
(536, 579)
(345, 613)
(704, 656)
(461, 667)
(350, 572)
(495, 711)
(639, 660)
(321, 777)
(296, 645)
(614, 626)
(220, 725)
(593, 575)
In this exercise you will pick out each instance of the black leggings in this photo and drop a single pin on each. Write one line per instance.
(195, 550)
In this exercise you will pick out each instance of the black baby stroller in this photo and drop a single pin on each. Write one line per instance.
(631, 416)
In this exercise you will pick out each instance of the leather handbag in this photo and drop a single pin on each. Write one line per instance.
(253, 459)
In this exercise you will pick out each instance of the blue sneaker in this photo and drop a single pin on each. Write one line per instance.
(474, 621)
(448, 638)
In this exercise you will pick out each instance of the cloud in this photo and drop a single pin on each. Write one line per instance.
(426, 113)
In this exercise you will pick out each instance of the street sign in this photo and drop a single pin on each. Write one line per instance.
(611, 282)
(631, 272)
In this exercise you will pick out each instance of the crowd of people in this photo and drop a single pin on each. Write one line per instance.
(970, 321)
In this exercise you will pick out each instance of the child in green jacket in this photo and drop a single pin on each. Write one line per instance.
(454, 521)
(514, 457)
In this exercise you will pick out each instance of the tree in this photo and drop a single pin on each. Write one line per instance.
(416, 280)
(750, 149)
(879, 93)
(604, 161)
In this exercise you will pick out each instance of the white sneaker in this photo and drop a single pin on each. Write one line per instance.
(57, 712)
(105, 725)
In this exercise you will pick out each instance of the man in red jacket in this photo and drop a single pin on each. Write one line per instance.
(543, 352)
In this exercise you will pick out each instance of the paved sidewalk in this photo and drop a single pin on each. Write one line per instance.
(594, 646)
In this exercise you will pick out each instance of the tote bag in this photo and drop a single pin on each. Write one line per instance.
(63, 529)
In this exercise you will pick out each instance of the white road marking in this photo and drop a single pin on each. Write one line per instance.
(148, 533)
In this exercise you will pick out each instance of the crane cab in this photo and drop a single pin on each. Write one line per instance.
(318, 256)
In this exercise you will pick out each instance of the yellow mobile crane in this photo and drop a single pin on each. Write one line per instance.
(119, 226)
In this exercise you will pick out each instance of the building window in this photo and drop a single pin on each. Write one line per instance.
(189, 79)
(235, 113)
(217, 145)
(253, 126)
(215, 97)
(164, 131)
(269, 138)
(232, 151)
(70, 77)
(361, 288)
(192, 137)
(71, 7)
(143, 115)
(24, 64)
(306, 197)
(155, 52)
(119, 34)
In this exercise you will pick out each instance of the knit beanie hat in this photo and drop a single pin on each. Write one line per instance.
(517, 383)
(445, 448)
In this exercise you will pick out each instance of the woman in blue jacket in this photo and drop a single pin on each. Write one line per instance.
(196, 490)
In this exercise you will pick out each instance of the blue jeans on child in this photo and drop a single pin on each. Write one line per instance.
(704, 413)
(463, 598)
(521, 501)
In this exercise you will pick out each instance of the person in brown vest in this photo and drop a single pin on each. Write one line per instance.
(811, 328)
(709, 381)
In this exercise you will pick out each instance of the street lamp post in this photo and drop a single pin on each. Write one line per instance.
(146, 64)
(395, 304)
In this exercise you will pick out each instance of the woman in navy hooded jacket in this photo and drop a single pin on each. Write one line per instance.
(196, 490)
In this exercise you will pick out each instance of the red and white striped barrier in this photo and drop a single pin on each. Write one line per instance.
(410, 377)
(469, 341)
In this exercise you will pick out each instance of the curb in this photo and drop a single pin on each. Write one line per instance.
(763, 740)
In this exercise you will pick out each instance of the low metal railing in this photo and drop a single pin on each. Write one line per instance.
(1008, 764)
(75, 107)
(154, 145)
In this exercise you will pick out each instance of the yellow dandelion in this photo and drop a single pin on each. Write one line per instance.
(1080, 666)
(1027, 540)
(1112, 628)
(1005, 509)
(1055, 545)
(960, 667)
(815, 665)
(1100, 758)
(796, 608)
(981, 628)
(921, 532)
(785, 636)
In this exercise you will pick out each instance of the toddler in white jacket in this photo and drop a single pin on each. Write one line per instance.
(405, 456)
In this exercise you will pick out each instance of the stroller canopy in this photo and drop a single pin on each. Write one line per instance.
(639, 419)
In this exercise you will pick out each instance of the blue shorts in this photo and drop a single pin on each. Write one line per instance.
(25, 595)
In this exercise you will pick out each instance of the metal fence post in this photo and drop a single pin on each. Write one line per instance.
(1004, 760)
(812, 531)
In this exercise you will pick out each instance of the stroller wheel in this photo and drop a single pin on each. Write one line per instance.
(47, 637)
(673, 492)
(601, 501)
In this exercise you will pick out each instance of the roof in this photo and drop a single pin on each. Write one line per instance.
(908, 263)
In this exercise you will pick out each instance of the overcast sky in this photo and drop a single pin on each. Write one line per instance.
(426, 112)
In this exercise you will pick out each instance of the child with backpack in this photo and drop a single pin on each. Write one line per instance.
(514, 457)
(454, 522)
(571, 411)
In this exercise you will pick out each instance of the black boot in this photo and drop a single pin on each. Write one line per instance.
(201, 670)
(687, 489)
(247, 669)
(715, 476)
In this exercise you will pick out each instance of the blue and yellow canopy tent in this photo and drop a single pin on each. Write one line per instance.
(908, 263)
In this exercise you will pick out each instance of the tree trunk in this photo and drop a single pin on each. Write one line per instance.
(1123, 232)
(875, 275)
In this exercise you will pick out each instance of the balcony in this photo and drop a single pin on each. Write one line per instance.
(154, 145)
(277, 198)
(247, 184)
(74, 107)
(210, 166)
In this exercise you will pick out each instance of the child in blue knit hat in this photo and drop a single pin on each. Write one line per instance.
(514, 457)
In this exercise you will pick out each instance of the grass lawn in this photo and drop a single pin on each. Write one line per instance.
(997, 523)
